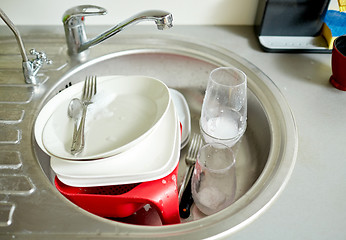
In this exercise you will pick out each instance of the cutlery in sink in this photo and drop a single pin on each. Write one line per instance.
(89, 91)
(185, 194)
(74, 111)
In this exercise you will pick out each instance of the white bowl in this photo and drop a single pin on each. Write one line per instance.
(125, 110)
(151, 159)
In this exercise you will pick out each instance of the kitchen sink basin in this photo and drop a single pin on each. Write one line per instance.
(265, 155)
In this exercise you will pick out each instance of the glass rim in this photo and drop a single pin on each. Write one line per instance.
(237, 70)
(232, 164)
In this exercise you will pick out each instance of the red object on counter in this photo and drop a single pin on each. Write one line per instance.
(119, 201)
(338, 79)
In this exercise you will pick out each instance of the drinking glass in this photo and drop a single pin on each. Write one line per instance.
(224, 108)
(213, 182)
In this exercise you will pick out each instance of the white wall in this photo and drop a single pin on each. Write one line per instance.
(203, 12)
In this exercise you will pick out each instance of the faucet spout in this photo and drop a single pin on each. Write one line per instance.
(162, 19)
(75, 29)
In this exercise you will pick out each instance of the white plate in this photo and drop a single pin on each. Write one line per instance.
(183, 114)
(125, 110)
(151, 159)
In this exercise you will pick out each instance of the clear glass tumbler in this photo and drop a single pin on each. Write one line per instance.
(213, 182)
(224, 108)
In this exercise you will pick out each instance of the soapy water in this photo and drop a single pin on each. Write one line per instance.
(211, 198)
(100, 101)
(224, 126)
(147, 207)
(119, 108)
(116, 120)
(174, 178)
(100, 108)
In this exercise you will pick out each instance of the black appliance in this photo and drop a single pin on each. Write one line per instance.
(291, 25)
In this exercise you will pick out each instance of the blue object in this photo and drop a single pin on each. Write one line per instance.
(336, 21)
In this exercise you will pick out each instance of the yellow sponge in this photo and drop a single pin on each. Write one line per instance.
(334, 26)
(327, 34)
(342, 5)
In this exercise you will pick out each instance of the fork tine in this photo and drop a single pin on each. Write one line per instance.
(195, 145)
(89, 89)
(90, 85)
(85, 89)
(199, 145)
(192, 145)
(95, 84)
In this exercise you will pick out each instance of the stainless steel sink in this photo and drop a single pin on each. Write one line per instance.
(265, 155)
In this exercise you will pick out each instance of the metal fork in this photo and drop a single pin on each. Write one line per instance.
(89, 90)
(190, 160)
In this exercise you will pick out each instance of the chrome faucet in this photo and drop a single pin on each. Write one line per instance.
(76, 38)
(30, 68)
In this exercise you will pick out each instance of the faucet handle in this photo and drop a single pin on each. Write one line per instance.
(81, 11)
(31, 67)
(39, 60)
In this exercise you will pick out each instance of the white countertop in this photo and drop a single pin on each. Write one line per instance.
(312, 205)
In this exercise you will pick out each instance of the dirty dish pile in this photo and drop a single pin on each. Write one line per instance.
(133, 141)
(125, 111)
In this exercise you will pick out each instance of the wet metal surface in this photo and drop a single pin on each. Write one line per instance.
(265, 156)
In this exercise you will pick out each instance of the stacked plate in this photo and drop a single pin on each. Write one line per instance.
(133, 132)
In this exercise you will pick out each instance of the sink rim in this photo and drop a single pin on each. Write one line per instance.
(274, 176)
